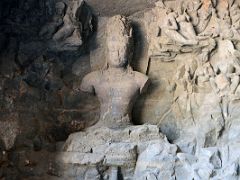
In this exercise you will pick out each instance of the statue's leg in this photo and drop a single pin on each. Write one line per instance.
(219, 123)
(225, 106)
(188, 30)
(213, 85)
(114, 173)
(75, 39)
(234, 83)
(174, 35)
(63, 33)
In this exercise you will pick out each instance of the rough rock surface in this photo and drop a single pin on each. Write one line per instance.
(111, 148)
(193, 98)
(142, 152)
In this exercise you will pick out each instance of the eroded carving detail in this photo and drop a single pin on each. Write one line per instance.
(68, 26)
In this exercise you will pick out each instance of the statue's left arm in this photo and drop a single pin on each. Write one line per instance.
(89, 82)
(143, 81)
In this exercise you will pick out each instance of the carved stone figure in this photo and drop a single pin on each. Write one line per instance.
(71, 26)
(227, 70)
(68, 25)
(50, 28)
(116, 85)
(192, 7)
(205, 15)
(202, 76)
(225, 25)
(177, 28)
(171, 33)
(235, 16)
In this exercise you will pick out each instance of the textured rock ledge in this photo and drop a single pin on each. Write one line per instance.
(142, 152)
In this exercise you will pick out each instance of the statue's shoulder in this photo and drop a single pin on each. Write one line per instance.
(90, 81)
(92, 75)
(91, 78)
(142, 81)
(140, 76)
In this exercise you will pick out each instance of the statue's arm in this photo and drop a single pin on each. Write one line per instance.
(88, 83)
(143, 82)
(145, 85)
(172, 24)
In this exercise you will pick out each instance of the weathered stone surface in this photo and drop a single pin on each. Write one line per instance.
(157, 160)
(37, 102)
(189, 50)
(124, 7)
(81, 158)
(9, 130)
(121, 154)
(114, 147)
(149, 154)
(116, 85)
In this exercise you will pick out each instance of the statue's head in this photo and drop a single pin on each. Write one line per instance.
(169, 10)
(196, 4)
(192, 5)
(118, 42)
(207, 4)
(60, 8)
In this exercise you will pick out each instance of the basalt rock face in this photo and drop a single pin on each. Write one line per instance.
(142, 152)
(38, 71)
(188, 49)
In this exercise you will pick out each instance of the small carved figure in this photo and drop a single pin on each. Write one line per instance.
(71, 25)
(117, 85)
(202, 77)
(235, 16)
(50, 28)
(186, 27)
(68, 26)
(182, 89)
(192, 7)
(227, 73)
(225, 25)
(205, 15)
(212, 28)
(175, 24)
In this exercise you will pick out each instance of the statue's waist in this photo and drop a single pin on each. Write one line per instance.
(115, 110)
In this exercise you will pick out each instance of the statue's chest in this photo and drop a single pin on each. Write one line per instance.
(117, 89)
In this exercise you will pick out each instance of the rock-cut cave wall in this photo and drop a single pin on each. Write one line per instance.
(38, 104)
(48, 46)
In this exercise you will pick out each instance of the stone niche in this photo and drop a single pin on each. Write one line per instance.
(185, 125)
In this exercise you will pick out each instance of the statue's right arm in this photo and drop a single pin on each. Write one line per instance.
(88, 83)
(172, 24)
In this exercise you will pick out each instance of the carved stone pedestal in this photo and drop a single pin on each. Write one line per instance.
(112, 153)
(142, 153)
